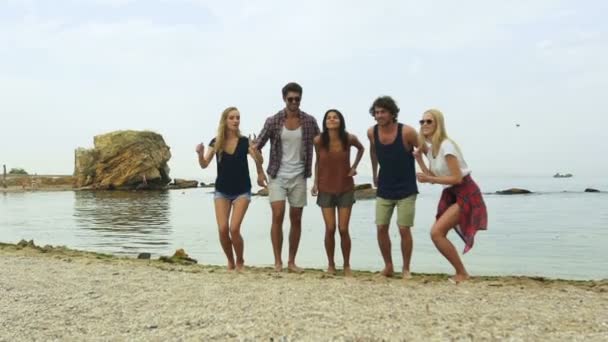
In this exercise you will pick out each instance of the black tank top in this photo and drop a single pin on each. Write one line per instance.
(397, 176)
(233, 170)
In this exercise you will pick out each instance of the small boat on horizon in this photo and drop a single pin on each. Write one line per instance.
(565, 175)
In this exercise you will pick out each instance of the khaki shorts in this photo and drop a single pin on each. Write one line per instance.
(343, 200)
(292, 189)
(406, 210)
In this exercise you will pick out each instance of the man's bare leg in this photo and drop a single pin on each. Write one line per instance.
(295, 217)
(407, 244)
(276, 232)
(384, 242)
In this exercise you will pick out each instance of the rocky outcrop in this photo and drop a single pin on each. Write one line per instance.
(364, 191)
(591, 190)
(183, 184)
(262, 192)
(124, 160)
(363, 186)
(179, 257)
(513, 191)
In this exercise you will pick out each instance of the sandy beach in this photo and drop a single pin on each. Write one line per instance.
(61, 294)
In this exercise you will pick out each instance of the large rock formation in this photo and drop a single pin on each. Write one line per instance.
(124, 160)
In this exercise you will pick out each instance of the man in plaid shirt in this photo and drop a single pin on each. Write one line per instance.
(291, 133)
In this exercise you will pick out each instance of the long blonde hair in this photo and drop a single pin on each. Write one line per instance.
(439, 135)
(221, 132)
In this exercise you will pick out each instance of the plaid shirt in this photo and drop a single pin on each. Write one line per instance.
(272, 130)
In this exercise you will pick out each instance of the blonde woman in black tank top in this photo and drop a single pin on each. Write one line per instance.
(232, 185)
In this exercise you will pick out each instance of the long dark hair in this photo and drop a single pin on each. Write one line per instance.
(341, 131)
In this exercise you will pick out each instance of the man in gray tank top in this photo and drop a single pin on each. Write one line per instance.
(391, 146)
(291, 133)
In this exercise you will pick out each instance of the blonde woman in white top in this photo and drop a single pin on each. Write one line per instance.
(461, 206)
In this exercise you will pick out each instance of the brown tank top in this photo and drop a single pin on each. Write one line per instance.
(333, 171)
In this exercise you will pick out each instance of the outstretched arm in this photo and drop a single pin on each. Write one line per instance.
(204, 159)
(372, 155)
(264, 135)
(257, 157)
(454, 178)
(315, 188)
(418, 152)
(354, 141)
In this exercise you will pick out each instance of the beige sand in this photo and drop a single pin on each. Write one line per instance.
(59, 294)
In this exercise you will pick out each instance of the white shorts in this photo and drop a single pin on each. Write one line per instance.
(292, 189)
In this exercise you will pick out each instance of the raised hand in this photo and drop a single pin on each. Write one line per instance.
(200, 149)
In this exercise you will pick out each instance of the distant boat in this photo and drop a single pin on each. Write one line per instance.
(565, 175)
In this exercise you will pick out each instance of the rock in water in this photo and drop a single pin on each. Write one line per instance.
(513, 191)
(591, 190)
(183, 184)
(124, 160)
(145, 256)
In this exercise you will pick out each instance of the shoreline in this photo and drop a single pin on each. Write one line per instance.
(60, 293)
(31, 249)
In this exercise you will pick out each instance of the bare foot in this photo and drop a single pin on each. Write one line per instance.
(240, 267)
(331, 270)
(230, 266)
(407, 275)
(459, 278)
(347, 271)
(294, 269)
(278, 267)
(387, 271)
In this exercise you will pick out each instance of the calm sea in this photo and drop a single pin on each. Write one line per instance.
(559, 231)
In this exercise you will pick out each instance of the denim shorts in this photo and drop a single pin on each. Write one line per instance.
(232, 198)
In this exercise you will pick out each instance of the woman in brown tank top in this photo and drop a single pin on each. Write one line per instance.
(334, 183)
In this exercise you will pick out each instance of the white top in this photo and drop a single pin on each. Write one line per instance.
(439, 165)
(292, 161)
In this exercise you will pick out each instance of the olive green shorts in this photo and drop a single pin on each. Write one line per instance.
(406, 210)
(343, 200)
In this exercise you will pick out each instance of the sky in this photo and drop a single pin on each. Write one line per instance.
(73, 69)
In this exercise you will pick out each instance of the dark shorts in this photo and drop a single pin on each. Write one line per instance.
(343, 200)
(232, 198)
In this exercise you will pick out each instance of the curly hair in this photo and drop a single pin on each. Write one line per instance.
(385, 102)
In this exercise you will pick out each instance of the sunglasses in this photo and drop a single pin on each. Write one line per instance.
(293, 99)
(428, 122)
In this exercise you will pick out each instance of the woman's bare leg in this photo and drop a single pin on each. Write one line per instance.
(239, 208)
(439, 232)
(329, 216)
(343, 225)
(222, 213)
